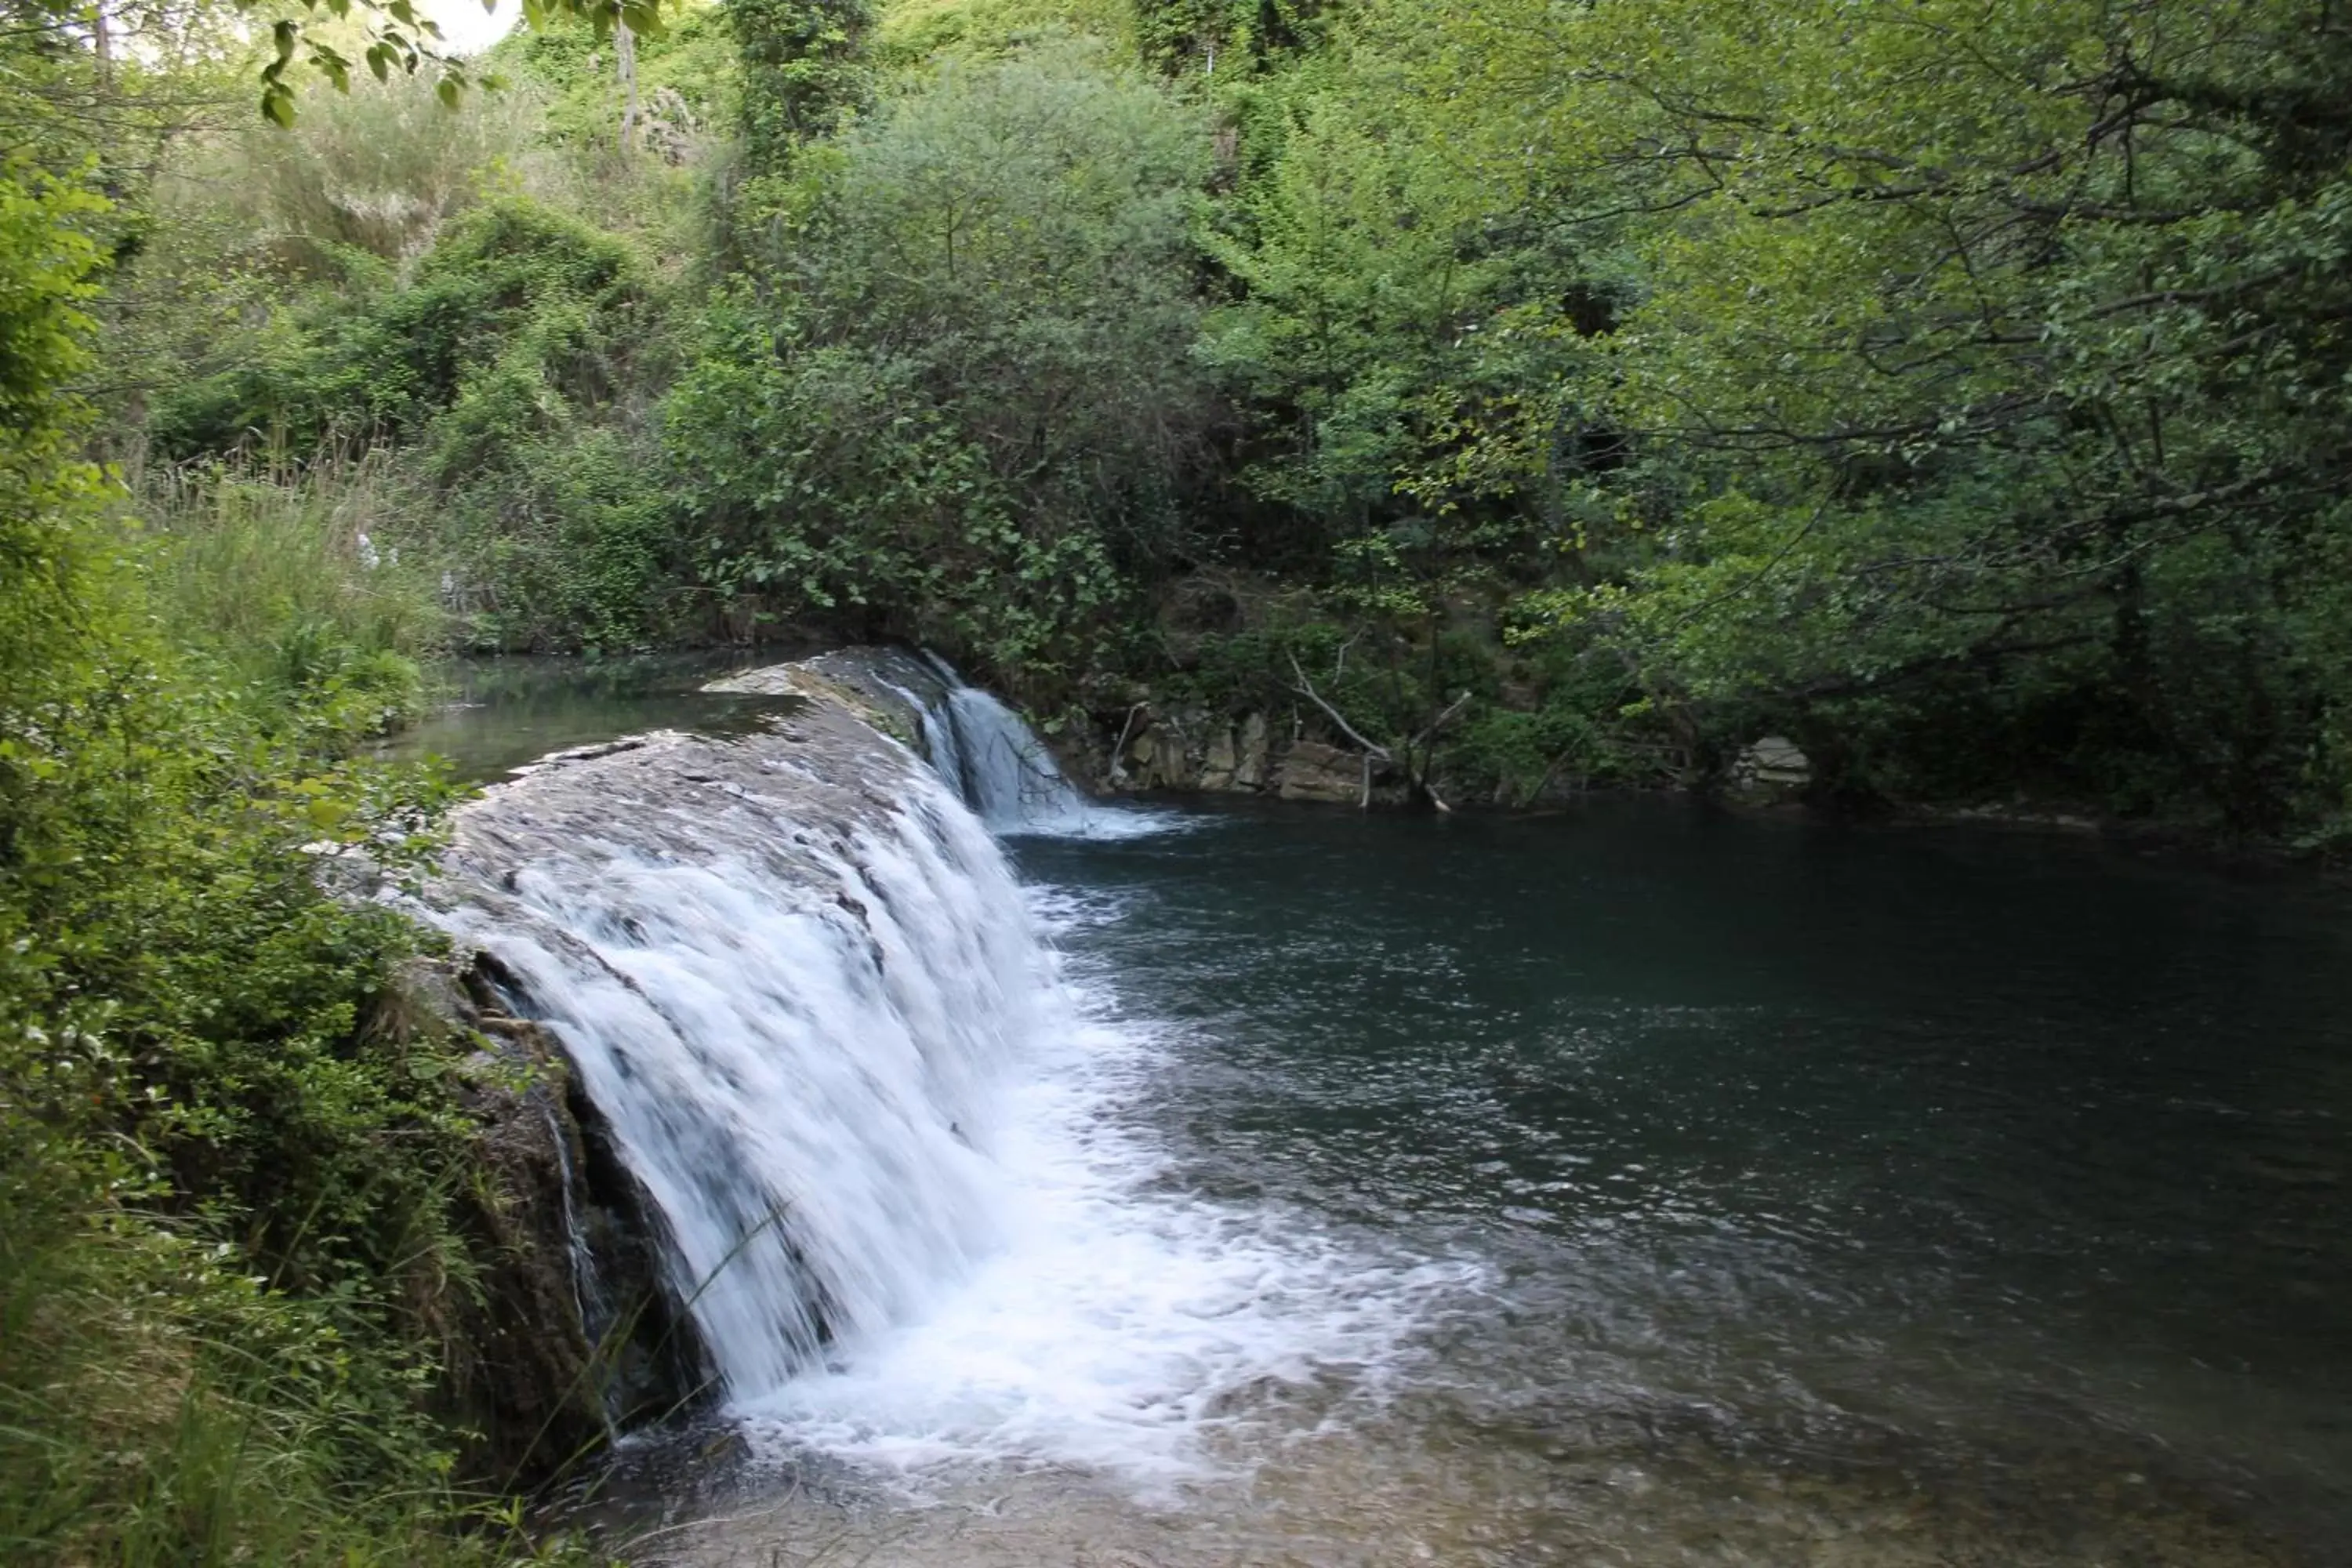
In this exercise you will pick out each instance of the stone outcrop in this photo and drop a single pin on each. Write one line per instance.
(888, 688)
(570, 1333)
(1250, 758)
(1771, 768)
(1196, 750)
(1313, 771)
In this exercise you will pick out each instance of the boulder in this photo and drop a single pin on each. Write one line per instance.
(1771, 767)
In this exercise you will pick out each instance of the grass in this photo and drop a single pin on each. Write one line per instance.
(157, 1407)
(303, 580)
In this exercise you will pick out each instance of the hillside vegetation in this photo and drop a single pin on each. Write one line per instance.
(1955, 389)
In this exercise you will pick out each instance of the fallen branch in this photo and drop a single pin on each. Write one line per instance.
(1429, 732)
(1306, 689)
(1119, 749)
(1442, 720)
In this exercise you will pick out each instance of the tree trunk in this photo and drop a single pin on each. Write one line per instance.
(625, 59)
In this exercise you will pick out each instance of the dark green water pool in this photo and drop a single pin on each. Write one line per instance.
(2000, 1181)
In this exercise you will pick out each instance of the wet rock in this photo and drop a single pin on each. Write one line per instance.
(889, 687)
(538, 1365)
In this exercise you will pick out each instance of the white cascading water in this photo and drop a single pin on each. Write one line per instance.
(795, 1053)
(1004, 773)
(798, 984)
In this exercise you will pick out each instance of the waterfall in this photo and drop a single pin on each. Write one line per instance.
(1003, 770)
(793, 990)
(1004, 773)
(880, 1124)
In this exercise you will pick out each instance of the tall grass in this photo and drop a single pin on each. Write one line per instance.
(378, 169)
(158, 1408)
(306, 580)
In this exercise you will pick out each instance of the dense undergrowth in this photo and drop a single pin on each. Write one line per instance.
(237, 1208)
(1574, 394)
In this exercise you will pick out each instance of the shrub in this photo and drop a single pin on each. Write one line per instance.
(955, 398)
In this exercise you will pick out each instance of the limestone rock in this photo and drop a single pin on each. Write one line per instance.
(1175, 766)
(1217, 771)
(1249, 766)
(1771, 766)
(1313, 771)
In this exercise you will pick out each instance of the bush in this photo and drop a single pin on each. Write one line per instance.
(955, 399)
(227, 1210)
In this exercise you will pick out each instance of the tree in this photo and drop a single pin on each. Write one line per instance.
(956, 386)
(802, 73)
(1988, 351)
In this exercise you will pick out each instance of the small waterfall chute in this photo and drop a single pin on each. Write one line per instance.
(1006, 772)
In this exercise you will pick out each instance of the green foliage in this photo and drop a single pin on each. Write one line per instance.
(644, 152)
(515, 367)
(956, 398)
(293, 579)
(376, 171)
(229, 1214)
(567, 540)
(160, 1405)
(1960, 387)
(1203, 36)
(801, 70)
(394, 37)
(918, 31)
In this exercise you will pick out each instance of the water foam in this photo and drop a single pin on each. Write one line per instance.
(1122, 1320)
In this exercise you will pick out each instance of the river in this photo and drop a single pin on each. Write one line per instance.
(1636, 1183)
